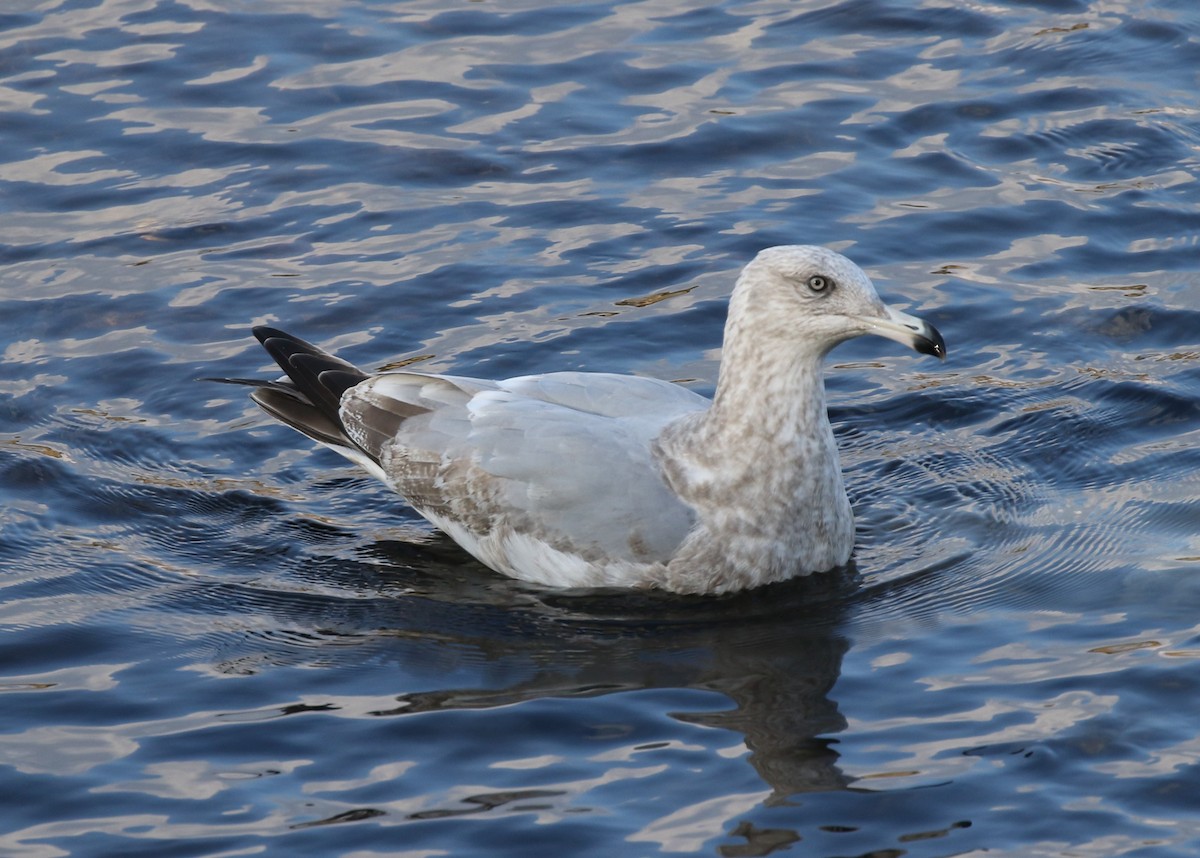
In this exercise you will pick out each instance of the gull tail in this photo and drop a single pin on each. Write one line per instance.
(309, 398)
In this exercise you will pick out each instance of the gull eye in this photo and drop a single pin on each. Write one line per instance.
(820, 283)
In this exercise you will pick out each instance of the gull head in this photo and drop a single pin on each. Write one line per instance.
(814, 296)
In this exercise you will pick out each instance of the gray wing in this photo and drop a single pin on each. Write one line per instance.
(565, 458)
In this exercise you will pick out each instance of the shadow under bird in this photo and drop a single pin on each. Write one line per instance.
(578, 479)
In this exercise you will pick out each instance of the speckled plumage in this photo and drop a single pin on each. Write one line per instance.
(592, 479)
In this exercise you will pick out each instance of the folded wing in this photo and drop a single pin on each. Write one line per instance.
(564, 460)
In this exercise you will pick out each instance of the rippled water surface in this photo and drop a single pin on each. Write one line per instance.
(217, 640)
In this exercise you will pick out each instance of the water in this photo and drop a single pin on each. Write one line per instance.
(218, 641)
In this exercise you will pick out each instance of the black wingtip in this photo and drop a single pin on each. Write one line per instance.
(262, 333)
(309, 398)
(252, 382)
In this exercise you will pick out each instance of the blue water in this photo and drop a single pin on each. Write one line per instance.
(218, 641)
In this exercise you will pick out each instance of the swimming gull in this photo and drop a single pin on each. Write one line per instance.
(575, 479)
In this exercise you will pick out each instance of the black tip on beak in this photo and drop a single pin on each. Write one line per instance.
(930, 342)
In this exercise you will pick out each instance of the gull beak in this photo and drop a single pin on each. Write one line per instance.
(913, 332)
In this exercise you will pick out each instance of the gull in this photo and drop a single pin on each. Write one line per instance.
(581, 479)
